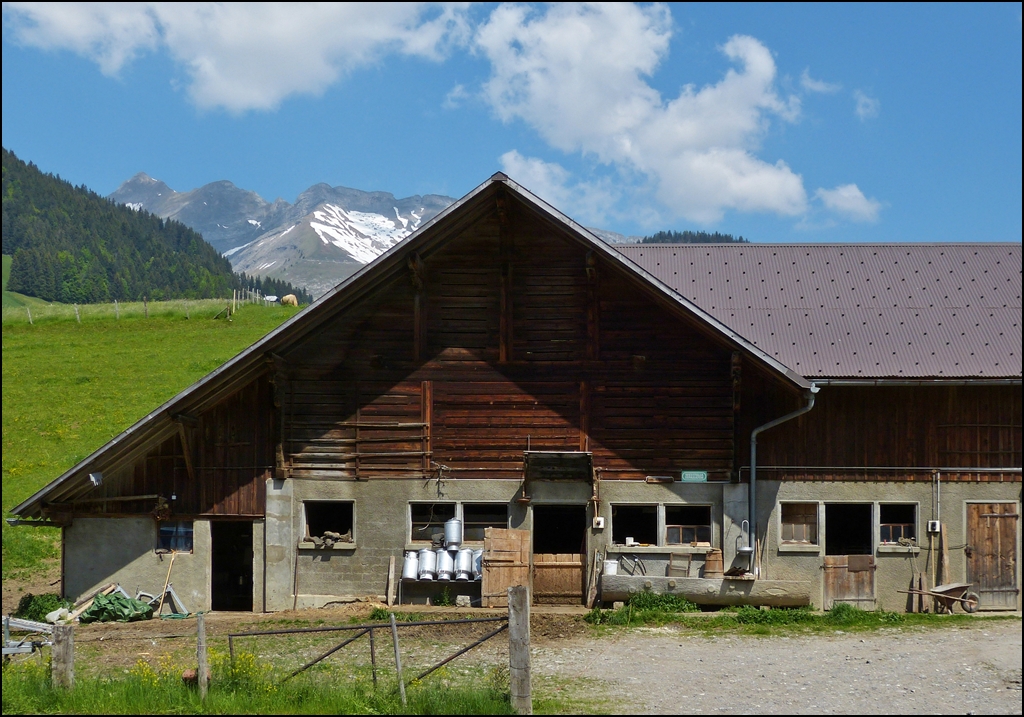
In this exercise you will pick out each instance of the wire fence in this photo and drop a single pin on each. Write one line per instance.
(179, 308)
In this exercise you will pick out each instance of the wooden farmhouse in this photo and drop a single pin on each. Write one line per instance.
(737, 423)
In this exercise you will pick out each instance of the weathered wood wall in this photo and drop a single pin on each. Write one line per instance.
(508, 337)
(230, 456)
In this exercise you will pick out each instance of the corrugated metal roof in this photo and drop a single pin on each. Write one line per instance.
(861, 310)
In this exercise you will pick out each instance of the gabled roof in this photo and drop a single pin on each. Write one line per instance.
(905, 311)
(251, 362)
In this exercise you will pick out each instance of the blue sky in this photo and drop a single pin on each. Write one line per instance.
(789, 123)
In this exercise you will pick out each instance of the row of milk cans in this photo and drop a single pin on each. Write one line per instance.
(452, 562)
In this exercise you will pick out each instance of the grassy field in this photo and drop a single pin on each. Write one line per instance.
(68, 387)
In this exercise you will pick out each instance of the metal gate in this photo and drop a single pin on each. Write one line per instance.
(992, 554)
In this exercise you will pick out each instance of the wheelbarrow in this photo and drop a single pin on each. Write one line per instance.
(947, 596)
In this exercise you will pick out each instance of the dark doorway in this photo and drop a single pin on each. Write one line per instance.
(559, 528)
(232, 565)
(559, 549)
(847, 529)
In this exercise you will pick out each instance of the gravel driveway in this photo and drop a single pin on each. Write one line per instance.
(969, 670)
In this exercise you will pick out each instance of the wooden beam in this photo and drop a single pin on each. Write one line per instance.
(593, 350)
(427, 418)
(186, 450)
(584, 415)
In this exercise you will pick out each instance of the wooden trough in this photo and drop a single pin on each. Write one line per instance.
(709, 591)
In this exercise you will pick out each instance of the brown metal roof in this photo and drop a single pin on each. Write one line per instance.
(858, 311)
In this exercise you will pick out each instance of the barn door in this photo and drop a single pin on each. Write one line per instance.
(992, 554)
(506, 563)
(559, 549)
(849, 565)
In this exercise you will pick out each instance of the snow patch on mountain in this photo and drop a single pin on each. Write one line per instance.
(362, 235)
(136, 206)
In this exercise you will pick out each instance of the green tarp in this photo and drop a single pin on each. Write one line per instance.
(116, 608)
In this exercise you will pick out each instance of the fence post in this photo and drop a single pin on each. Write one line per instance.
(519, 649)
(398, 660)
(203, 673)
(62, 670)
(145, 306)
(78, 318)
(29, 310)
(117, 311)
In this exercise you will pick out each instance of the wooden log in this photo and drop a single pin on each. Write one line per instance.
(706, 591)
(519, 649)
(62, 668)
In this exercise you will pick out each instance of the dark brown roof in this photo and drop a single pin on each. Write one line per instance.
(858, 311)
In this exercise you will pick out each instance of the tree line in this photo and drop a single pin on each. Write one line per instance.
(71, 245)
(689, 237)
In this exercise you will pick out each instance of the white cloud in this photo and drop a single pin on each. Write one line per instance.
(849, 202)
(812, 85)
(243, 56)
(455, 97)
(576, 74)
(867, 107)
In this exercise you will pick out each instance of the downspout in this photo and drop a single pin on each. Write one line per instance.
(752, 496)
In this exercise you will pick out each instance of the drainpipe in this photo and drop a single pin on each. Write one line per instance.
(752, 497)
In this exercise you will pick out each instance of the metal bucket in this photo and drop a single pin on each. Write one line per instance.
(464, 565)
(478, 564)
(428, 564)
(411, 566)
(453, 533)
(445, 565)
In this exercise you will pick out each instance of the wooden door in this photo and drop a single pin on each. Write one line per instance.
(506, 563)
(558, 578)
(849, 579)
(992, 554)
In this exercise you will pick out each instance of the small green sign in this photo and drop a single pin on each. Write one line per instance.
(695, 477)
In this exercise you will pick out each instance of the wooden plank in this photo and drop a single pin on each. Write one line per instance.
(506, 563)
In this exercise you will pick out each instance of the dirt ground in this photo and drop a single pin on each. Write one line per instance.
(972, 669)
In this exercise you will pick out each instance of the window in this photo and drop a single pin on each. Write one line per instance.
(897, 522)
(429, 518)
(332, 519)
(478, 516)
(174, 536)
(635, 524)
(848, 528)
(800, 523)
(688, 525)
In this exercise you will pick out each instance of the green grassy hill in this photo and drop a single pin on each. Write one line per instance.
(68, 387)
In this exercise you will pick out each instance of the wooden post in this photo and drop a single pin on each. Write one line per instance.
(389, 599)
(117, 311)
(62, 670)
(945, 554)
(29, 310)
(373, 658)
(145, 306)
(398, 660)
(204, 670)
(78, 317)
(519, 649)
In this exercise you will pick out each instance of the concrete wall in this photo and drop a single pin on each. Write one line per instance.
(98, 551)
(895, 564)
(381, 529)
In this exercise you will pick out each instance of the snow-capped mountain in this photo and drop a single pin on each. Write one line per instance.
(325, 236)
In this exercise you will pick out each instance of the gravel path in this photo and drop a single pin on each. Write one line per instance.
(972, 670)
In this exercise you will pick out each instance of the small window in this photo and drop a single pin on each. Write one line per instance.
(800, 523)
(688, 525)
(478, 516)
(897, 522)
(174, 536)
(429, 518)
(635, 524)
(329, 519)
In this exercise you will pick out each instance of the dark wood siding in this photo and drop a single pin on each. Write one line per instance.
(526, 342)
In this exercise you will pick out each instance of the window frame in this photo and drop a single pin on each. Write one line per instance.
(161, 550)
(913, 524)
(460, 513)
(696, 544)
(410, 523)
(816, 509)
(659, 522)
(304, 525)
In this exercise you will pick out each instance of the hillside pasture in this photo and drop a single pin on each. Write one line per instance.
(69, 387)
